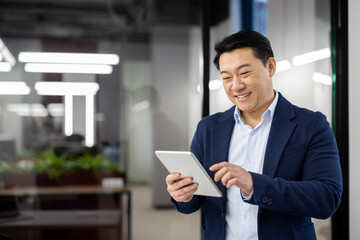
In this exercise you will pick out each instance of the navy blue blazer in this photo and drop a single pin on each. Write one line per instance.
(301, 174)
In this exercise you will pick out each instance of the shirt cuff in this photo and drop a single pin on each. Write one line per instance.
(245, 196)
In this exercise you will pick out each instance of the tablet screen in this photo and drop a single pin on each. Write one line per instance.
(188, 166)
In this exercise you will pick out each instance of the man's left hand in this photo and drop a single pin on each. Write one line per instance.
(231, 174)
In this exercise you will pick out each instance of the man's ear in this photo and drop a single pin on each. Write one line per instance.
(271, 65)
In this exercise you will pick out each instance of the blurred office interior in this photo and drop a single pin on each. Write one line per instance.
(140, 88)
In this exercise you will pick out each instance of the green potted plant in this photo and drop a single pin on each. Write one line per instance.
(88, 169)
(49, 169)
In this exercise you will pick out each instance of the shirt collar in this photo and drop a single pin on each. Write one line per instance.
(269, 111)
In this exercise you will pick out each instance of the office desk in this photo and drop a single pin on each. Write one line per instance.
(72, 218)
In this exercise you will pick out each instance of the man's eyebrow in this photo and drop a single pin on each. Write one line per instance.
(238, 68)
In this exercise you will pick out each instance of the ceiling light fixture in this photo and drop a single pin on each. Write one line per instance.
(6, 54)
(5, 67)
(75, 58)
(14, 88)
(322, 78)
(89, 121)
(56, 109)
(68, 68)
(69, 90)
(26, 110)
(310, 57)
(66, 88)
(68, 116)
(213, 85)
(282, 66)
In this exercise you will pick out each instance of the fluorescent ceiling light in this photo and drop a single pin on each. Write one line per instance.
(14, 88)
(68, 68)
(213, 85)
(89, 121)
(56, 109)
(26, 110)
(68, 120)
(70, 89)
(6, 54)
(322, 78)
(78, 58)
(66, 88)
(282, 66)
(5, 67)
(311, 57)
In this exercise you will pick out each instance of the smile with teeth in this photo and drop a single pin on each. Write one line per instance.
(243, 96)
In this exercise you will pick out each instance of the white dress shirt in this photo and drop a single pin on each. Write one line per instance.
(247, 149)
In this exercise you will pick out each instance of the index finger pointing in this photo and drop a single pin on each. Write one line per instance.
(217, 166)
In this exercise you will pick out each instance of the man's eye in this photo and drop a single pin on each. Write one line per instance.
(226, 78)
(244, 73)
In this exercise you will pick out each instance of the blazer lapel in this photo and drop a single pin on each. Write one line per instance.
(281, 129)
(222, 133)
(221, 136)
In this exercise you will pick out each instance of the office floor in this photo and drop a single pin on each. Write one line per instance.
(154, 224)
(158, 224)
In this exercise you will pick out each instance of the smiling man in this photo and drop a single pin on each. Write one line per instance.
(276, 164)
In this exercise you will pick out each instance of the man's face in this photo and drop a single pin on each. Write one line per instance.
(247, 82)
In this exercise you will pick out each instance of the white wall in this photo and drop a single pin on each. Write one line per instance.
(354, 119)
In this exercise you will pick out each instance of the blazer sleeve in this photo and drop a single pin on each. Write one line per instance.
(317, 191)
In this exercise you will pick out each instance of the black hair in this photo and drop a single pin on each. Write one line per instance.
(246, 38)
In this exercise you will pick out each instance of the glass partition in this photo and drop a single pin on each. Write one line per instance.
(79, 143)
(300, 32)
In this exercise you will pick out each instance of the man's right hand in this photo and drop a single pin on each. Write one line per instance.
(181, 190)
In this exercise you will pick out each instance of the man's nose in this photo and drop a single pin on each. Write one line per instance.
(237, 83)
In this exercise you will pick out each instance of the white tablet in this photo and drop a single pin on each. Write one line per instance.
(187, 165)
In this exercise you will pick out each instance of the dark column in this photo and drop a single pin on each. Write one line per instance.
(339, 32)
(205, 36)
(247, 14)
